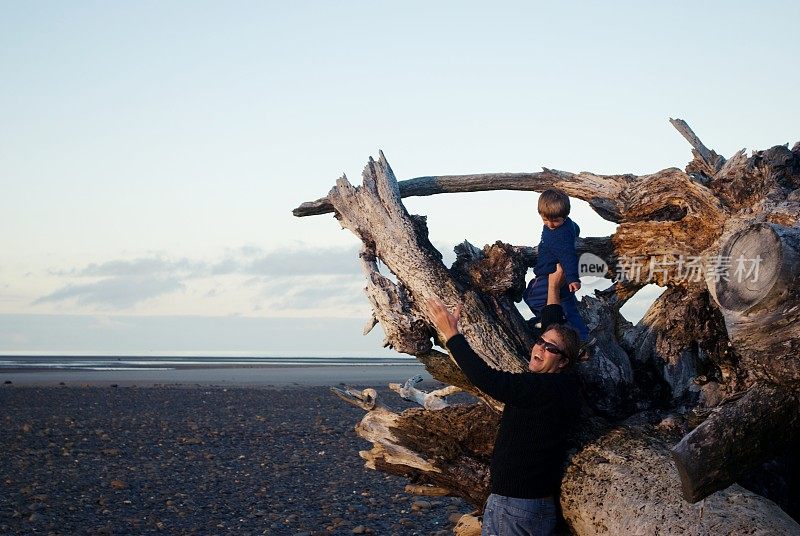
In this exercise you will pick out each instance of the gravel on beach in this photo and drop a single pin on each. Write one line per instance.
(198, 460)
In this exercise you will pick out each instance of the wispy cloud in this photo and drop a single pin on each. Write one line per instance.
(298, 278)
(327, 292)
(116, 292)
(329, 261)
(143, 266)
(247, 261)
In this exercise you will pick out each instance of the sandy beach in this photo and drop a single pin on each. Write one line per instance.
(263, 450)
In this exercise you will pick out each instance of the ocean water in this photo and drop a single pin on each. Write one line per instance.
(172, 362)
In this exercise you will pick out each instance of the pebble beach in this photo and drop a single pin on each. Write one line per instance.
(190, 458)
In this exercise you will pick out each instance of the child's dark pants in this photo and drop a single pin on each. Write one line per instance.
(536, 298)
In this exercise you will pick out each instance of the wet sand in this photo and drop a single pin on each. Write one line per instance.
(283, 375)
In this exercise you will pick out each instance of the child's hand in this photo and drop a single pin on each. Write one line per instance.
(445, 322)
(574, 287)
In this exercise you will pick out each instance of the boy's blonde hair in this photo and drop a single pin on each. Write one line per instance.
(554, 204)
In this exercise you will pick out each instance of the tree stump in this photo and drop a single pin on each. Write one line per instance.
(706, 341)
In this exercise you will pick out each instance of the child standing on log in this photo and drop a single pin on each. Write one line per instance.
(557, 246)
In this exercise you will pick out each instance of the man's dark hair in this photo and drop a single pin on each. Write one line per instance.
(571, 341)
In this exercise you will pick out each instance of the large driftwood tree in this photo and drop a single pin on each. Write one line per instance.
(698, 394)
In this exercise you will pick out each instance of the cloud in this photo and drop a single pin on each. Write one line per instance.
(247, 260)
(115, 292)
(249, 251)
(344, 292)
(297, 279)
(328, 261)
(294, 280)
(154, 265)
(143, 266)
(226, 266)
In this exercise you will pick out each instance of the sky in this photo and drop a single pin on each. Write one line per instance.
(151, 152)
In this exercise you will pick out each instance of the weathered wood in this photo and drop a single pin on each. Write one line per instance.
(755, 184)
(440, 366)
(625, 483)
(758, 293)
(468, 525)
(667, 215)
(668, 221)
(682, 341)
(582, 185)
(376, 215)
(706, 161)
(497, 270)
(434, 400)
(607, 377)
(426, 491)
(768, 259)
(448, 448)
(403, 330)
(735, 439)
(760, 300)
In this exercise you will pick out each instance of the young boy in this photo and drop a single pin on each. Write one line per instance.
(557, 246)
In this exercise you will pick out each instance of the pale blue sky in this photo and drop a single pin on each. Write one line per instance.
(151, 152)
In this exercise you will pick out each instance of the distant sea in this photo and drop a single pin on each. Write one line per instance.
(172, 362)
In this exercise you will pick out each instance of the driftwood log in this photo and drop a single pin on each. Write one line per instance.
(680, 406)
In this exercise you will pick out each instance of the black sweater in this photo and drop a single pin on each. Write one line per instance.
(539, 411)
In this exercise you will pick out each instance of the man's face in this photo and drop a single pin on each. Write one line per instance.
(552, 223)
(547, 353)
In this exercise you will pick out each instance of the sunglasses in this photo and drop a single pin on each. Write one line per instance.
(549, 346)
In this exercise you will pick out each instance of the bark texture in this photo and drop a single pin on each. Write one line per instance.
(705, 340)
(762, 309)
(764, 422)
(625, 483)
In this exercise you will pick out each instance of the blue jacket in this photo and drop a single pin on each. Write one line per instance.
(558, 246)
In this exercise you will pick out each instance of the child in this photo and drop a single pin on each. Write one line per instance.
(557, 246)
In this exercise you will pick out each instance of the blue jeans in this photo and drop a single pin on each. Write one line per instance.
(507, 516)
